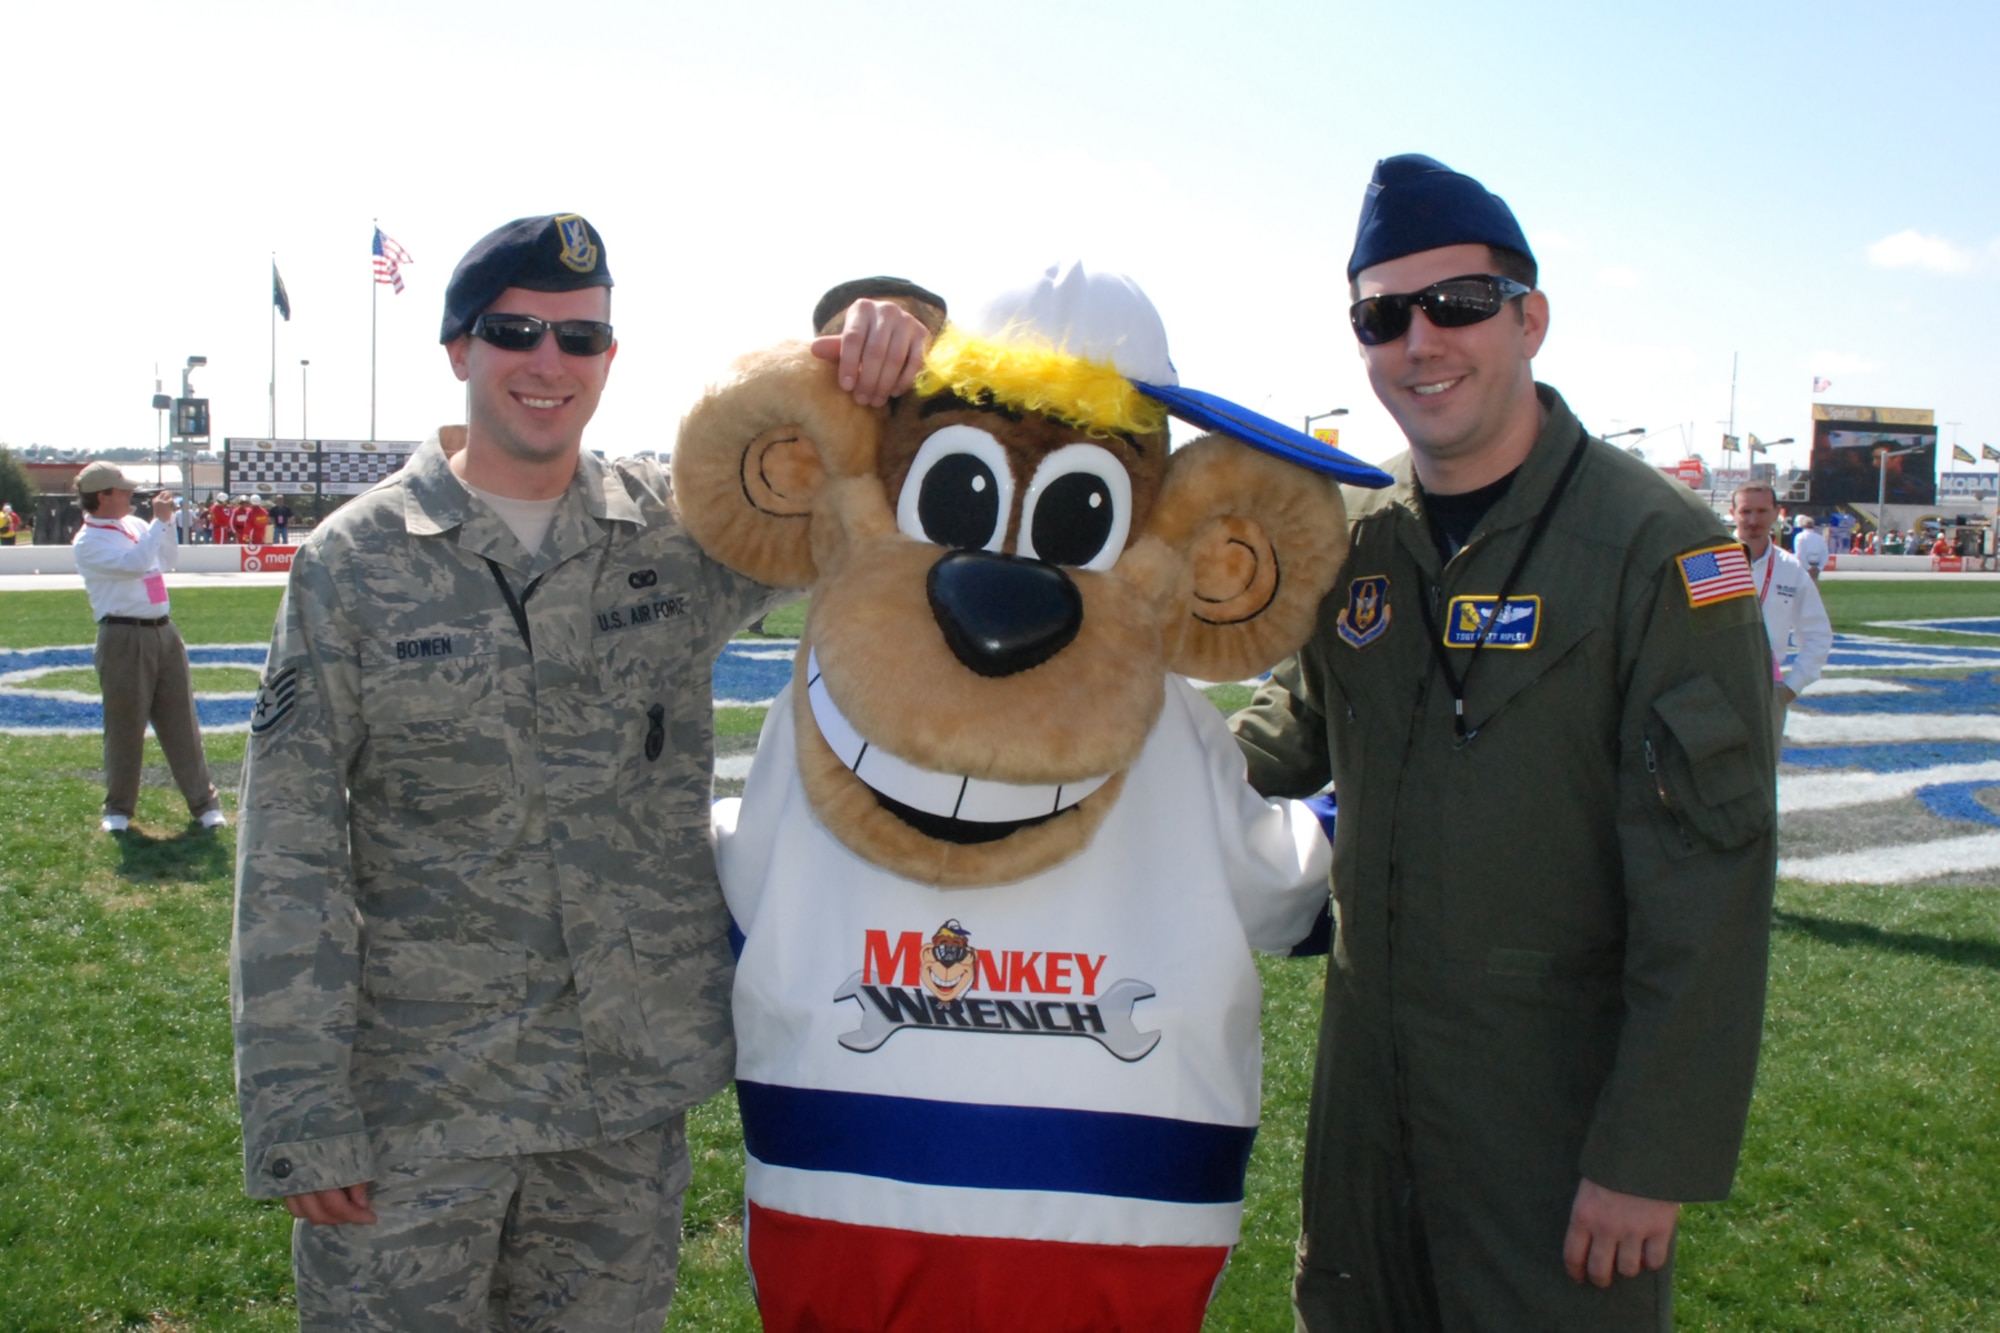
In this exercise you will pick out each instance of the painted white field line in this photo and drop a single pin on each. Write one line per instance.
(1809, 728)
(1900, 864)
(1858, 685)
(735, 767)
(1834, 791)
(1944, 625)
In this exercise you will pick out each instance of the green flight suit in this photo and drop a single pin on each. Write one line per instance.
(1551, 935)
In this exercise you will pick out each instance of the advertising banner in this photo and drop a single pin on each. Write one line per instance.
(1969, 483)
(310, 467)
(265, 559)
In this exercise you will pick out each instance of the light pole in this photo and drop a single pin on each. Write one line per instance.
(1620, 434)
(1882, 457)
(304, 434)
(1321, 416)
(194, 363)
(161, 403)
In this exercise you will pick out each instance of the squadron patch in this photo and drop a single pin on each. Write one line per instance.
(578, 254)
(1366, 614)
(1518, 626)
(908, 983)
(276, 698)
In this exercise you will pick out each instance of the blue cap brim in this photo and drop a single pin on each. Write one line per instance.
(1260, 432)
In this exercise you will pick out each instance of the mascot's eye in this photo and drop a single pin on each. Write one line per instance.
(959, 491)
(1079, 508)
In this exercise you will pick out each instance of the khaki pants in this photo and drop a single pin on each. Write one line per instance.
(569, 1242)
(143, 670)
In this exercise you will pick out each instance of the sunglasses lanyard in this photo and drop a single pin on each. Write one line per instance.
(518, 604)
(1453, 678)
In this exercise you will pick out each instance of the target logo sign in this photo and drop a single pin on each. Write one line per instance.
(263, 559)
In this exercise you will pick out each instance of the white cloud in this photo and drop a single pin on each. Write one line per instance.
(1551, 243)
(1910, 248)
(1840, 363)
(1620, 276)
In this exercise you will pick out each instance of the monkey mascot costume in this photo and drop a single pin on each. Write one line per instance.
(996, 868)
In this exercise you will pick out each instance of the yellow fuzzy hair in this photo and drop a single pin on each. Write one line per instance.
(1038, 377)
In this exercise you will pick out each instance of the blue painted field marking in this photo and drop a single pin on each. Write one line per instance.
(1959, 800)
(1892, 758)
(749, 673)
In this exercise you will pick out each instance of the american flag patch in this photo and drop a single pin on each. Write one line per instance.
(1716, 574)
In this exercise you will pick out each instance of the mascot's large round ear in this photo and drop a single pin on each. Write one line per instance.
(1262, 540)
(755, 451)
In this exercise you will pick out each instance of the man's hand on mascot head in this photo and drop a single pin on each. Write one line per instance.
(880, 351)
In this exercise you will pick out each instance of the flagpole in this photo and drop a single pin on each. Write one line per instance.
(374, 295)
(274, 346)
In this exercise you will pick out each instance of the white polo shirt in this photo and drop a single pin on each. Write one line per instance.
(124, 562)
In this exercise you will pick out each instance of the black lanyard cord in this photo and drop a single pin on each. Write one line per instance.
(1453, 678)
(518, 604)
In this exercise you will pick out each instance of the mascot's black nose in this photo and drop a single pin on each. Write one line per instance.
(1003, 613)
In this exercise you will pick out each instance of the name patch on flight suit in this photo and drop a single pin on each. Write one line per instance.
(651, 611)
(1519, 625)
(1366, 614)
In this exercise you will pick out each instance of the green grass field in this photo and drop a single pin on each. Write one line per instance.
(1869, 1196)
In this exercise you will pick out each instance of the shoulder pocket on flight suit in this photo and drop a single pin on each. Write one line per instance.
(1699, 757)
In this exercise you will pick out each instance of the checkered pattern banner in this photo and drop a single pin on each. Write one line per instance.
(308, 467)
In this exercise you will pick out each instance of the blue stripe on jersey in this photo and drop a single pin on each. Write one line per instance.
(996, 1147)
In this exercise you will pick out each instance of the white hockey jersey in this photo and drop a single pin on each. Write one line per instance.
(1028, 1106)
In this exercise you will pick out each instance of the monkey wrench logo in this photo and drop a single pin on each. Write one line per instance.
(913, 984)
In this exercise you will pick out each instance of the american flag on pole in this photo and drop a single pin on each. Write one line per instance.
(389, 260)
(1821, 384)
(1716, 574)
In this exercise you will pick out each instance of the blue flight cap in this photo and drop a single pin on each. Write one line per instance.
(1417, 203)
(557, 252)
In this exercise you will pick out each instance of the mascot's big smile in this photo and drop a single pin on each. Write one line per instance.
(947, 806)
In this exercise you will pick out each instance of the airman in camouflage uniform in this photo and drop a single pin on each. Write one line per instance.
(481, 962)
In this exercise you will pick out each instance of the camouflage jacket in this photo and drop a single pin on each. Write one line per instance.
(476, 906)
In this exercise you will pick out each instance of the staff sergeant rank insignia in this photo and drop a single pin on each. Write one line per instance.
(578, 253)
(1366, 614)
(1519, 624)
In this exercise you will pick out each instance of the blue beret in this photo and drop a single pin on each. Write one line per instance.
(558, 252)
(1417, 203)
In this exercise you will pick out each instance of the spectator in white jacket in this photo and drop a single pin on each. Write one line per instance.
(1794, 616)
(1809, 545)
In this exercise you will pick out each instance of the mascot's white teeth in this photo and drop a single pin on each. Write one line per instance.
(947, 795)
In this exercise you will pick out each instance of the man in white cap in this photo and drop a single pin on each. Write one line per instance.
(141, 662)
(1810, 547)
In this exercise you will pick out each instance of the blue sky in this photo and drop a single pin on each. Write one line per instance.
(1811, 187)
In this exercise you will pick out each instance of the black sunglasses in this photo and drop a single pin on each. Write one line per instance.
(523, 333)
(1451, 304)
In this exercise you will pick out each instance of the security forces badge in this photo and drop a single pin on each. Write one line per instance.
(1366, 614)
(578, 254)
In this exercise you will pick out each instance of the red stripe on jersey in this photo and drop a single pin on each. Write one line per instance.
(825, 1277)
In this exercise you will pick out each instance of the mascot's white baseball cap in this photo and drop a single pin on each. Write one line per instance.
(1105, 318)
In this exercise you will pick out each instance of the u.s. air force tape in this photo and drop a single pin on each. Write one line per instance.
(1106, 1020)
